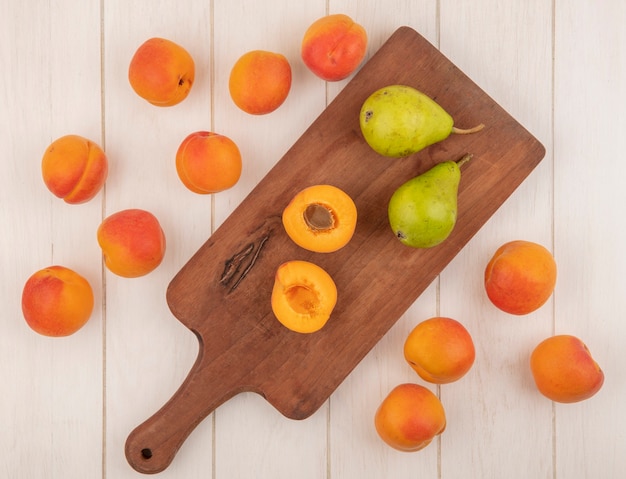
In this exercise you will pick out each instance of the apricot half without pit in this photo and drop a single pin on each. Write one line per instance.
(303, 297)
(320, 218)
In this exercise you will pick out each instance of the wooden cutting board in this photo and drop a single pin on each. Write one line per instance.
(223, 293)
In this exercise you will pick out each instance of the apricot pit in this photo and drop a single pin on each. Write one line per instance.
(303, 297)
(320, 218)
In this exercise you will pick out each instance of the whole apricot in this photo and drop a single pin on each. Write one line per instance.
(260, 81)
(440, 350)
(520, 277)
(74, 168)
(57, 301)
(410, 417)
(320, 218)
(303, 297)
(132, 242)
(564, 370)
(161, 72)
(208, 162)
(333, 47)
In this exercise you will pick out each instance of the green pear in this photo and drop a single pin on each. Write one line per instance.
(422, 212)
(399, 120)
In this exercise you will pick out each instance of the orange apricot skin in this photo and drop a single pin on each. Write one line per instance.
(74, 168)
(440, 350)
(410, 417)
(57, 301)
(260, 81)
(208, 162)
(520, 277)
(132, 242)
(161, 72)
(303, 297)
(333, 47)
(335, 200)
(564, 370)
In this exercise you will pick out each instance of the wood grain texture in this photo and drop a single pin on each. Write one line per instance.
(67, 406)
(49, 385)
(520, 81)
(147, 354)
(353, 405)
(247, 420)
(589, 232)
(242, 347)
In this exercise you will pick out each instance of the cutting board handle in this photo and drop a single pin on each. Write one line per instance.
(152, 445)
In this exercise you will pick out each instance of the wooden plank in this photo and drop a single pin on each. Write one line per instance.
(274, 447)
(497, 399)
(355, 449)
(147, 353)
(243, 348)
(589, 228)
(51, 406)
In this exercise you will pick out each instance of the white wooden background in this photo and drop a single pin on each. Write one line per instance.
(68, 404)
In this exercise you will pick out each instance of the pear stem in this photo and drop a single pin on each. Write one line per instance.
(467, 131)
(464, 159)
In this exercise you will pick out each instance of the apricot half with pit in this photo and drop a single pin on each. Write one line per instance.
(320, 218)
(303, 297)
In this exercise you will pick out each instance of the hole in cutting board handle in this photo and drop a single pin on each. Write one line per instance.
(146, 453)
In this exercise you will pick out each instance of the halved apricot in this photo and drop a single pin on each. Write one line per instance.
(320, 218)
(304, 296)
